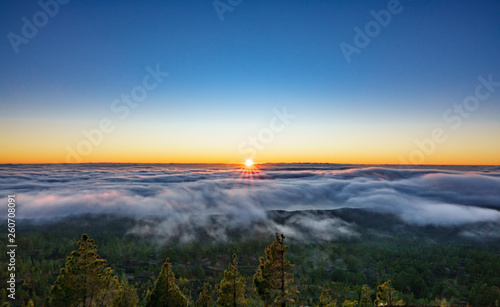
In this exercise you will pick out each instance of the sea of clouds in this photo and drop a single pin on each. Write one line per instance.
(186, 196)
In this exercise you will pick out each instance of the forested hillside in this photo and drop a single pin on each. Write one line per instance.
(425, 266)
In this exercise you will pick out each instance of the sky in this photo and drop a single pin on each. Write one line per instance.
(370, 82)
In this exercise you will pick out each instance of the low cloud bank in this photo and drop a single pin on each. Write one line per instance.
(186, 196)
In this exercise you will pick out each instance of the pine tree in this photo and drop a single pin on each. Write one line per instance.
(326, 300)
(348, 303)
(365, 300)
(205, 299)
(274, 279)
(127, 296)
(231, 289)
(386, 295)
(440, 302)
(85, 279)
(165, 291)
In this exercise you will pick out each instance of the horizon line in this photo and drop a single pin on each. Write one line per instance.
(242, 163)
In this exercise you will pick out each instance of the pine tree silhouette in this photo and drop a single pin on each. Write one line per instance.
(85, 279)
(166, 293)
(274, 279)
(232, 287)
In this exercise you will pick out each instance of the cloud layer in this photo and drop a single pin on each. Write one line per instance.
(186, 196)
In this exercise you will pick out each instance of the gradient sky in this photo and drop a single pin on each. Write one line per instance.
(228, 77)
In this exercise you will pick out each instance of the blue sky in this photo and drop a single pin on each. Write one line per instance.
(263, 55)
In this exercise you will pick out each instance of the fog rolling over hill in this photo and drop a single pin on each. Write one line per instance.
(222, 198)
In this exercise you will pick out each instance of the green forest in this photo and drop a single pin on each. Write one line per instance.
(92, 261)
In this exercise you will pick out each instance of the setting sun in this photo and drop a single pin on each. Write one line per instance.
(248, 163)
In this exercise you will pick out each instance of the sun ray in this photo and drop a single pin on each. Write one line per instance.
(249, 172)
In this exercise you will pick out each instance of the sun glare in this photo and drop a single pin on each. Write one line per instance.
(249, 171)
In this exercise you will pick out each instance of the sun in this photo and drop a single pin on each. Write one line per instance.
(249, 171)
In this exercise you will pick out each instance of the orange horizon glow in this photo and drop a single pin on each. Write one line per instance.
(232, 162)
(44, 142)
(50, 151)
(28, 157)
(367, 157)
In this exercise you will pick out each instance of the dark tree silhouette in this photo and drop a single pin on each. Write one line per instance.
(274, 280)
(165, 291)
(85, 279)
